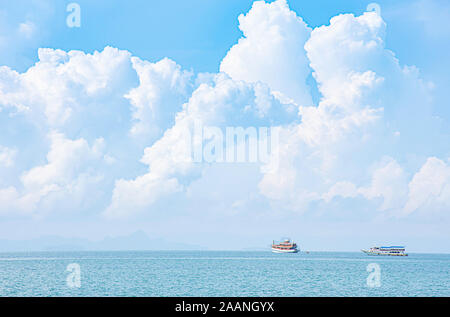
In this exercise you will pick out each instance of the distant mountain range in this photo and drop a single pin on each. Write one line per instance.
(136, 241)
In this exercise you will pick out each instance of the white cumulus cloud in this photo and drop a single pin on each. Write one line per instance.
(367, 99)
(430, 187)
(220, 102)
(62, 83)
(118, 126)
(65, 178)
(272, 50)
(7, 156)
(163, 89)
(389, 182)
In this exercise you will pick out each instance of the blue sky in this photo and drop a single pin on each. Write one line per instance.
(87, 139)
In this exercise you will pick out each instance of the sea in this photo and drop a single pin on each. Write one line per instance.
(222, 273)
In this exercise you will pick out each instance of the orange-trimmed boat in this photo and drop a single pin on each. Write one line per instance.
(286, 246)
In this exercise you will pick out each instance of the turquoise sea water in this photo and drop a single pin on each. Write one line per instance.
(222, 273)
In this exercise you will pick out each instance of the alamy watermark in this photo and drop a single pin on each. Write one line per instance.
(213, 144)
(73, 20)
(374, 278)
(73, 279)
(375, 7)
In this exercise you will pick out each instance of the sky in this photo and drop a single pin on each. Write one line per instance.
(94, 120)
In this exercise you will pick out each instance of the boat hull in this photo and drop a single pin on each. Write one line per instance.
(275, 250)
(384, 253)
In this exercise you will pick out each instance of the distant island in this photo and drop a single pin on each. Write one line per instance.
(138, 240)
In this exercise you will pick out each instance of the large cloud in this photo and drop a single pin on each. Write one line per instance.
(119, 126)
(218, 102)
(272, 50)
(163, 89)
(430, 187)
(388, 183)
(67, 178)
(370, 107)
(73, 90)
(62, 83)
(106, 96)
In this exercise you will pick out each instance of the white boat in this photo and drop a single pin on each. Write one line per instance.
(284, 247)
(390, 251)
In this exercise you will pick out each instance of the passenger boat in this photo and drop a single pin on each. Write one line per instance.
(286, 246)
(392, 251)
